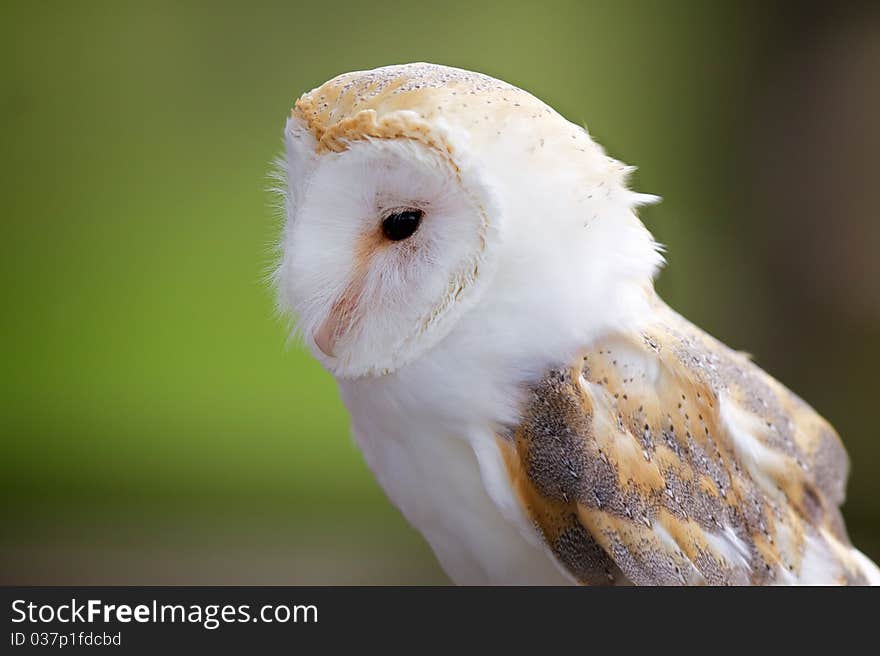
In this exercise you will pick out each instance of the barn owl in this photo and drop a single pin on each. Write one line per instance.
(470, 267)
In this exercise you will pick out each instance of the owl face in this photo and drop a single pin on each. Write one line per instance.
(410, 190)
(384, 246)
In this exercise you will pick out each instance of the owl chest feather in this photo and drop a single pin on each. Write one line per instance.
(452, 488)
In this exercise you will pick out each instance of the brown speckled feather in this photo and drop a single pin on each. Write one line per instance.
(666, 458)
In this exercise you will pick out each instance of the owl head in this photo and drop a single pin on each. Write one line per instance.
(411, 191)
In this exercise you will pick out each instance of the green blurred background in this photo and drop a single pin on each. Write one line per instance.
(155, 426)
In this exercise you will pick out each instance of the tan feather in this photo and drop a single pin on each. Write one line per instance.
(668, 458)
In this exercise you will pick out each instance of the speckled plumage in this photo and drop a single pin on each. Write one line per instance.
(628, 450)
(402, 102)
(515, 384)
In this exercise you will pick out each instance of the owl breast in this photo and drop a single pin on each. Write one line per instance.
(439, 483)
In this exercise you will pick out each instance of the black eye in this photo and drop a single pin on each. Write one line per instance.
(402, 224)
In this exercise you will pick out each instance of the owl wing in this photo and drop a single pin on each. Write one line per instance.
(666, 458)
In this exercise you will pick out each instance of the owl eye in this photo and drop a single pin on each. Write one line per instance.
(401, 224)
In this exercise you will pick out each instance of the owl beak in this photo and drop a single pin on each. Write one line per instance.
(325, 336)
(338, 322)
